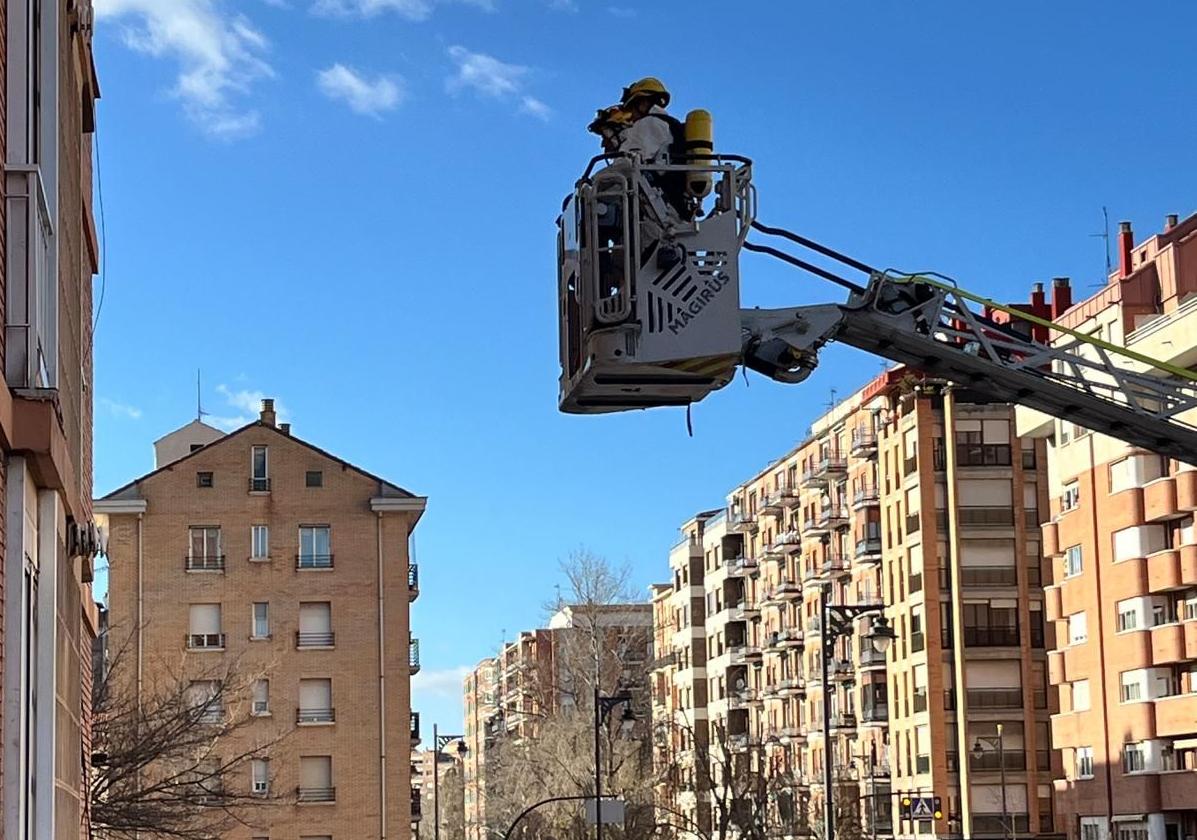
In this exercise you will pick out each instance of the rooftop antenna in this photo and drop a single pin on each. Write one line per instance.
(1104, 235)
(832, 403)
(199, 403)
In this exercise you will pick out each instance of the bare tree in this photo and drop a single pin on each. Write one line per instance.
(452, 802)
(543, 743)
(173, 761)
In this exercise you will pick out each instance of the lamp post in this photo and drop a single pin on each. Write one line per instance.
(603, 707)
(835, 621)
(439, 743)
(978, 751)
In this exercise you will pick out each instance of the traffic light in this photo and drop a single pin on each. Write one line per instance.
(938, 808)
(904, 809)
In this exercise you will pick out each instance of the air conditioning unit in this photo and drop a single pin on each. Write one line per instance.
(261, 707)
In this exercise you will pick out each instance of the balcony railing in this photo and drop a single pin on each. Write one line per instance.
(868, 547)
(315, 640)
(985, 517)
(912, 523)
(316, 794)
(982, 454)
(875, 713)
(416, 812)
(918, 641)
(205, 641)
(994, 698)
(413, 578)
(992, 760)
(832, 462)
(910, 465)
(413, 655)
(315, 715)
(991, 636)
(866, 497)
(213, 563)
(313, 561)
(415, 728)
(259, 485)
(833, 515)
(863, 440)
(989, 575)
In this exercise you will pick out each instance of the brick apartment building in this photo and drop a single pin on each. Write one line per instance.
(259, 549)
(50, 253)
(1123, 589)
(548, 671)
(913, 497)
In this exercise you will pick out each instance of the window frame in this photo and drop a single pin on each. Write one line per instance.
(318, 475)
(1083, 764)
(253, 612)
(253, 542)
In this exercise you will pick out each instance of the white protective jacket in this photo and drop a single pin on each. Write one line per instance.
(649, 137)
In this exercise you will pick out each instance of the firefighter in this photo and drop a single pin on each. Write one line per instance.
(653, 131)
(610, 124)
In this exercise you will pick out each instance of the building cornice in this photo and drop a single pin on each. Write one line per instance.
(398, 504)
(111, 506)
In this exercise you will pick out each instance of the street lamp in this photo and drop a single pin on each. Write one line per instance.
(603, 706)
(835, 621)
(439, 743)
(979, 751)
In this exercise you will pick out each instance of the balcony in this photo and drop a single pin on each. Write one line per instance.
(991, 637)
(416, 811)
(315, 640)
(981, 576)
(787, 542)
(813, 527)
(910, 466)
(1159, 500)
(791, 687)
(744, 611)
(842, 671)
(985, 517)
(316, 717)
(413, 581)
(205, 641)
(980, 699)
(983, 455)
(870, 657)
(868, 550)
(259, 485)
(875, 713)
(413, 655)
(739, 566)
(787, 590)
(415, 729)
(912, 523)
(991, 760)
(833, 563)
(305, 562)
(864, 442)
(780, 499)
(866, 497)
(842, 721)
(204, 564)
(316, 794)
(833, 516)
(791, 639)
(741, 522)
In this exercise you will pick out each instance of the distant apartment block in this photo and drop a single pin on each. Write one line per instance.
(259, 550)
(916, 498)
(1123, 583)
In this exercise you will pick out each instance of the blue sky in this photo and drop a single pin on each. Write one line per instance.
(349, 205)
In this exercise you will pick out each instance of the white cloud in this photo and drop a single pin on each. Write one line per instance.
(410, 9)
(488, 76)
(247, 403)
(220, 55)
(437, 696)
(119, 409)
(362, 95)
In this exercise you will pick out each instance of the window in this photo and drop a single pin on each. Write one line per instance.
(1135, 471)
(204, 627)
(315, 701)
(260, 772)
(203, 553)
(203, 698)
(259, 477)
(1132, 831)
(1078, 628)
(1073, 563)
(315, 779)
(203, 479)
(315, 625)
(1092, 829)
(1071, 497)
(1080, 696)
(1132, 758)
(261, 621)
(259, 542)
(1084, 762)
(313, 478)
(315, 547)
(261, 697)
(1128, 618)
(1131, 687)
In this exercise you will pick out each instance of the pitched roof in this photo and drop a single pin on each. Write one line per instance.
(385, 488)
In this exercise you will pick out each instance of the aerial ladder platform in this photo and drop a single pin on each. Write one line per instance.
(650, 315)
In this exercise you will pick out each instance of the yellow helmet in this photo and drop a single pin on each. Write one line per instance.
(613, 116)
(648, 86)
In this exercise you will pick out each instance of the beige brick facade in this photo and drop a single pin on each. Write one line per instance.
(360, 583)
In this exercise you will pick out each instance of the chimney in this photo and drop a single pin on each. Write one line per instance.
(285, 428)
(268, 416)
(1126, 242)
(1061, 296)
(1170, 221)
(1038, 299)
